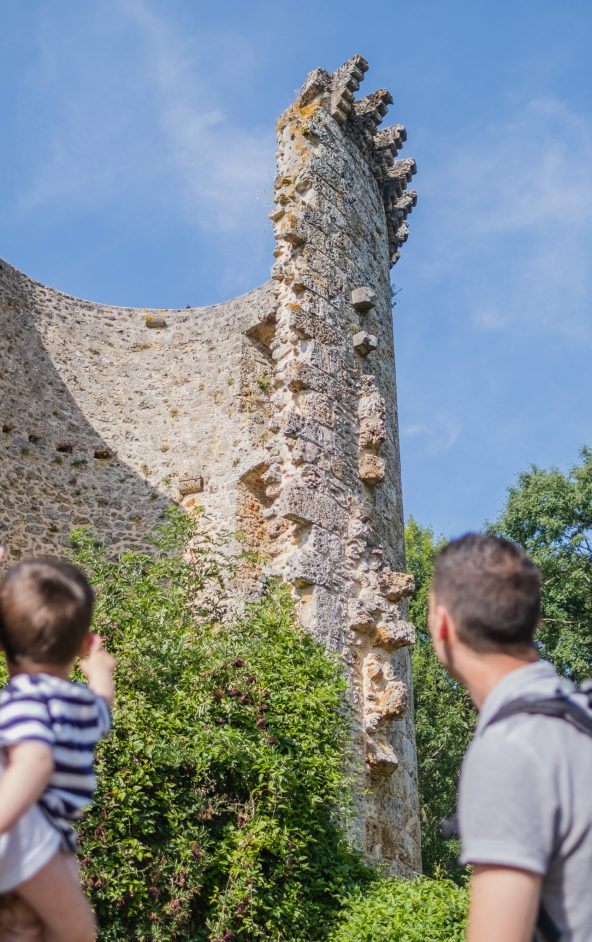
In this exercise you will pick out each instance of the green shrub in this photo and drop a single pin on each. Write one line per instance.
(222, 788)
(395, 910)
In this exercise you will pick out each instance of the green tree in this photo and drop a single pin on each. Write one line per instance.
(550, 514)
(445, 717)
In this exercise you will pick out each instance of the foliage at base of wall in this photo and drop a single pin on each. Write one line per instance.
(419, 910)
(222, 811)
(222, 789)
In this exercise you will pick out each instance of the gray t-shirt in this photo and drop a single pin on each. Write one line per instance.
(525, 799)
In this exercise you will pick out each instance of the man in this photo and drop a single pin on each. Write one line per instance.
(525, 795)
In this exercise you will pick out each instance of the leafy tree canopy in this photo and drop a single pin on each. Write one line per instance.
(550, 514)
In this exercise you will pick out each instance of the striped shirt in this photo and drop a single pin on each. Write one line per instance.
(71, 719)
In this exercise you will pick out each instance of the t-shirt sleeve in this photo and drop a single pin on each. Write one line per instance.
(506, 807)
(25, 718)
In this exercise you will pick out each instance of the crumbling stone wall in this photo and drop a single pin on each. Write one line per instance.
(275, 411)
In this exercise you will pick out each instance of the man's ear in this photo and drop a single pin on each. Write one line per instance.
(442, 623)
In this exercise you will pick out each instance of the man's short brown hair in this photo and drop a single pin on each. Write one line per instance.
(491, 589)
(45, 611)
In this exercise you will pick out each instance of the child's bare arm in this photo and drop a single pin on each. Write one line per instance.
(29, 769)
(97, 665)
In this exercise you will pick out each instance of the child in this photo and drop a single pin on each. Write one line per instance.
(49, 727)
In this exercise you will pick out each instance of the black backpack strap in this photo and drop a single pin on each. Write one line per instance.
(547, 931)
(559, 706)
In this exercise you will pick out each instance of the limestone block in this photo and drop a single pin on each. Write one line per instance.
(316, 405)
(322, 357)
(317, 83)
(372, 418)
(303, 451)
(299, 375)
(364, 343)
(305, 506)
(307, 427)
(309, 568)
(371, 468)
(391, 138)
(152, 320)
(381, 757)
(360, 617)
(190, 483)
(395, 585)
(394, 633)
(393, 700)
(310, 327)
(363, 299)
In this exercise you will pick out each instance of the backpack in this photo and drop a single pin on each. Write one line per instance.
(564, 706)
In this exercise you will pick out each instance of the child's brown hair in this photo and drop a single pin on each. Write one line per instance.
(45, 611)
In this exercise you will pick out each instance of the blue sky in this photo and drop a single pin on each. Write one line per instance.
(137, 169)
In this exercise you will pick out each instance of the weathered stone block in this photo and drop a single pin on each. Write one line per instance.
(309, 428)
(394, 634)
(364, 343)
(156, 322)
(363, 299)
(395, 585)
(393, 701)
(371, 468)
(306, 507)
(381, 757)
(190, 483)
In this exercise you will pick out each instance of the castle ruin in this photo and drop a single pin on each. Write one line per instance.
(275, 411)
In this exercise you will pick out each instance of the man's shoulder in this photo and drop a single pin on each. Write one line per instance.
(503, 751)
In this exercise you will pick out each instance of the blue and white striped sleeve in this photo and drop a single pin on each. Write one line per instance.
(25, 718)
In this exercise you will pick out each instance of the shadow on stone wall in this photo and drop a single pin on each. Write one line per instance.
(56, 471)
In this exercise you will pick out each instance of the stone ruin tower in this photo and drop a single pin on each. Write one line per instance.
(275, 411)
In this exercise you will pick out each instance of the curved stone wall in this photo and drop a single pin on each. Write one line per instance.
(108, 414)
(275, 411)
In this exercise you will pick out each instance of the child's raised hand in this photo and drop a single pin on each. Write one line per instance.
(98, 665)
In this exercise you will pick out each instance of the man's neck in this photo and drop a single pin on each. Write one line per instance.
(481, 672)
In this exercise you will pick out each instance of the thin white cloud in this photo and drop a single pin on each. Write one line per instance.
(225, 170)
(129, 107)
(510, 222)
(437, 436)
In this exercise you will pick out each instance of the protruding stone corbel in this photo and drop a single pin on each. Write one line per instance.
(381, 758)
(370, 111)
(387, 698)
(190, 483)
(371, 414)
(363, 299)
(364, 343)
(390, 139)
(346, 81)
(371, 468)
(395, 585)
